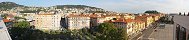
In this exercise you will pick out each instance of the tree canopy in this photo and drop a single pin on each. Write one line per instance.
(152, 12)
(22, 24)
(107, 31)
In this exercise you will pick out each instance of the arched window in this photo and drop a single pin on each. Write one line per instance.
(177, 31)
(183, 33)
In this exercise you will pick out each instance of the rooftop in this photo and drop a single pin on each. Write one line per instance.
(124, 20)
(6, 20)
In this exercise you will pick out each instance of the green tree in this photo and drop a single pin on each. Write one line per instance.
(17, 18)
(151, 12)
(123, 34)
(22, 24)
(4, 15)
(107, 31)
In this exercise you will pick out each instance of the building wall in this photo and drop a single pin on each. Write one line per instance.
(4, 34)
(120, 24)
(100, 20)
(181, 27)
(78, 22)
(149, 21)
(93, 22)
(47, 22)
(130, 29)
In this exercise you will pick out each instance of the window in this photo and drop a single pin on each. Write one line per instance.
(177, 31)
(180, 32)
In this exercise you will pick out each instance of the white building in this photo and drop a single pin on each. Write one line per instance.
(78, 21)
(47, 21)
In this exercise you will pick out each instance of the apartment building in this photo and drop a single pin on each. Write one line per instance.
(127, 24)
(156, 16)
(47, 21)
(139, 25)
(78, 21)
(129, 16)
(148, 19)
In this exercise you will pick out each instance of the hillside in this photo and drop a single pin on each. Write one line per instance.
(75, 6)
(9, 5)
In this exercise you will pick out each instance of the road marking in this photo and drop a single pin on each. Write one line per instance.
(139, 37)
(151, 33)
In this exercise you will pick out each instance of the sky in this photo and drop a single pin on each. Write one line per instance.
(126, 6)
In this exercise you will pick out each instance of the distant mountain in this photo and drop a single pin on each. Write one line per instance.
(75, 6)
(84, 8)
(9, 5)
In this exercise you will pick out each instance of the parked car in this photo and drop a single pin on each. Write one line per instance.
(162, 25)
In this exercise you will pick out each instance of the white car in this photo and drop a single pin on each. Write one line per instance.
(161, 24)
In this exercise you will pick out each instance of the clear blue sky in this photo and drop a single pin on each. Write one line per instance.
(131, 6)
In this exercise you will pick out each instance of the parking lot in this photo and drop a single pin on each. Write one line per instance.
(163, 33)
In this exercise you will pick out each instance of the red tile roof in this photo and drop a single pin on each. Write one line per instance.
(123, 20)
(6, 20)
(129, 20)
(117, 20)
(139, 20)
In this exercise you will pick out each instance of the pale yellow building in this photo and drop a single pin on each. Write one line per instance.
(47, 21)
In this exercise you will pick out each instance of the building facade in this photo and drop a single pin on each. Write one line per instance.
(4, 34)
(181, 27)
(78, 21)
(47, 21)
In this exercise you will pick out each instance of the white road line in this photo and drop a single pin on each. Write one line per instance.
(151, 34)
(139, 37)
